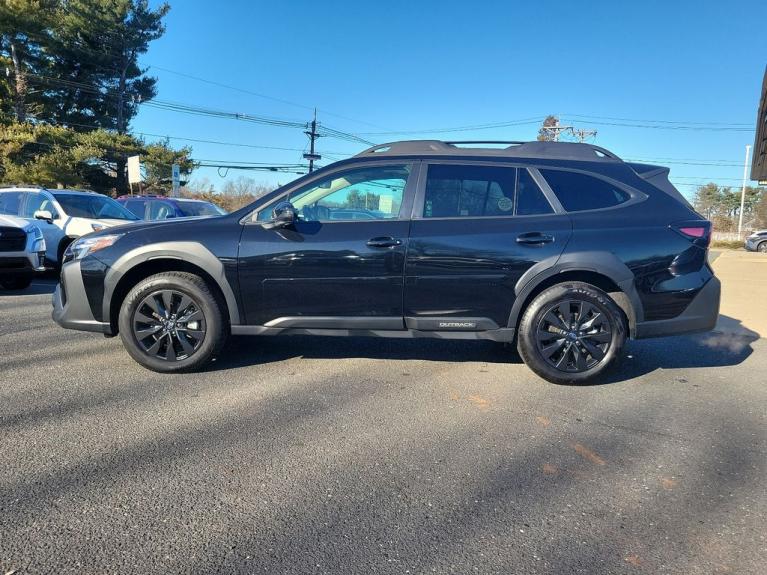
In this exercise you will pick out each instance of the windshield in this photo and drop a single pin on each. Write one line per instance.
(93, 206)
(199, 208)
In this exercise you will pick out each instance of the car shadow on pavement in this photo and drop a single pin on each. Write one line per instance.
(730, 345)
(41, 286)
(243, 351)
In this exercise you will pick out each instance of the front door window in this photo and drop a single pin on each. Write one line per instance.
(367, 194)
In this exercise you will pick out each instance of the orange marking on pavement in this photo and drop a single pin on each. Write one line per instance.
(586, 453)
(668, 483)
(634, 560)
(455, 397)
(549, 469)
(480, 402)
(544, 421)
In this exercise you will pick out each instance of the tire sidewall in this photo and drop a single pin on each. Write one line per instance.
(210, 309)
(527, 343)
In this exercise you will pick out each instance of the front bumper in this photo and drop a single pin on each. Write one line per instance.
(15, 264)
(70, 303)
(752, 244)
(700, 315)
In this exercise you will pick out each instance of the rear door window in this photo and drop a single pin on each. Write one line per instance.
(454, 191)
(471, 191)
(530, 198)
(578, 192)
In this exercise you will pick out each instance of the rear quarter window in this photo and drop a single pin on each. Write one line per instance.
(578, 192)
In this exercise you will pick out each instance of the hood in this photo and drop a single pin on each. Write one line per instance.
(13, 221)
(121, 226)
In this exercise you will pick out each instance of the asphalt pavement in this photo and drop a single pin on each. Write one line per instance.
(311, 455)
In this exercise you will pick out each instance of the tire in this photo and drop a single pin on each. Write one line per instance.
(187, 337)
(579, 355)
(63, 245)
(16, 283)
(762, 248)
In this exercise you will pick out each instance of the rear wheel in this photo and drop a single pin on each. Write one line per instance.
(172, 322)
(571, 333)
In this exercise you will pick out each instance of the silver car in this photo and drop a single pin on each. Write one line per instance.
(22, 252)
(757, 242)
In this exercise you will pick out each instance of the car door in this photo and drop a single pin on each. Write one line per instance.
(341, 264)
(477, 228)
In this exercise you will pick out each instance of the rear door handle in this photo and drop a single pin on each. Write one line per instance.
(534, 239)
(384, 242)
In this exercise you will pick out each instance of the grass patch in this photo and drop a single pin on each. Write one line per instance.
(727, 244)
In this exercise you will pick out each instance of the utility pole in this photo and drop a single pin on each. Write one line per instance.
(582, 134)
(743, 191)
(313, 135)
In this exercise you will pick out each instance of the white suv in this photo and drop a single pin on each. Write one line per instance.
(22, 252)
(63, 215)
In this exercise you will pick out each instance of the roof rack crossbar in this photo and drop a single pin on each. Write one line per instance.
(532, 149)
(511, 142)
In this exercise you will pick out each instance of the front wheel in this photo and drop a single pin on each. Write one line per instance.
(762, 248)
(571, 333)
(172, 322)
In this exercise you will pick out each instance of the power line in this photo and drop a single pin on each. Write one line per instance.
(489, 126)
(659, 121)
(257, 94)
(675, 127)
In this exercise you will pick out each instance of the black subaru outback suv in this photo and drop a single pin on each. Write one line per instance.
(563, 247)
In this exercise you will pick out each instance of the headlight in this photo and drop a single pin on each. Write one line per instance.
(78, 249)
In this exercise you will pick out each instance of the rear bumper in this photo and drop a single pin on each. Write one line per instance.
(700, 315)
(70, 303)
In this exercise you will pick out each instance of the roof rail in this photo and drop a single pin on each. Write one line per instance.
(22, 185)
(516, 149)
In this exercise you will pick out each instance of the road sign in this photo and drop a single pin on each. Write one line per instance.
(134, 169)
(176, 174)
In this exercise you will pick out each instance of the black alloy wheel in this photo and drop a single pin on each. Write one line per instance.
(169, 325)
(571, 333)
(173, 322)
(573, 336)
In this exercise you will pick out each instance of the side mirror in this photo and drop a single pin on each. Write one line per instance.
(284, 215)
(44, 215)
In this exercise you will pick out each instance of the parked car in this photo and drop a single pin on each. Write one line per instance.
(757, 242)
(163, 208)
(22, 252)
(563, 247)
(62, 215)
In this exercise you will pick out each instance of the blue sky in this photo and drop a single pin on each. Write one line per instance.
(410, 66)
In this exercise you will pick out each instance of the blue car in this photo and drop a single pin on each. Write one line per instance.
(163, 208)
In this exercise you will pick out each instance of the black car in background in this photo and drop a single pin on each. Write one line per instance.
(148, 207)
(562, 247)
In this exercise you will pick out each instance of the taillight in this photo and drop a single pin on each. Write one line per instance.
(698, 232)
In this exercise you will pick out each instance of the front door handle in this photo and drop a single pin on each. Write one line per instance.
(384, 242)
(534, 239)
